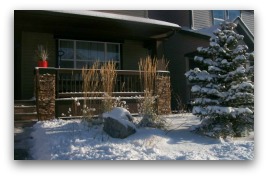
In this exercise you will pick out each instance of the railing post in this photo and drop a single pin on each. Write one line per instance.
(37, 91)
(162, 90)
(45, 95)
(57, 83)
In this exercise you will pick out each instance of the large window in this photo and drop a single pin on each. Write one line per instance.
(77, 54)
(221, 15)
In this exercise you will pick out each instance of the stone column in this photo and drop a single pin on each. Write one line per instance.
(45, 96)
(164, 95)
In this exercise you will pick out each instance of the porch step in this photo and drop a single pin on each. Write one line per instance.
(24, 111)
(24, 102)
(25, 116)
(23, 124)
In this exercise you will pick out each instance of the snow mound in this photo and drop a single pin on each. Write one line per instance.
(122, 115)
(73, 140)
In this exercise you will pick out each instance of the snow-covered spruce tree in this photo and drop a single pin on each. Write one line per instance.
(224, 91)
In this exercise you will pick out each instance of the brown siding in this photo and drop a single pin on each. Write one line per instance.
(136, 13)
(175, 49)
(30, 42)
(248, 18)
(132, 52)
(201, 19)
(184, 18)
(180, 17)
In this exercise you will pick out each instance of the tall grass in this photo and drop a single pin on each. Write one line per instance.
(147, 69)
(108, 79)
(90, 88)
(162, 64)
(146, 106)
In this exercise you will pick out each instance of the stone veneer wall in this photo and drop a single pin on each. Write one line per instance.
(45, 96)
(162, 88)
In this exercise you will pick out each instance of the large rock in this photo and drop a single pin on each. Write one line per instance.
(120, 113)
(117, 123)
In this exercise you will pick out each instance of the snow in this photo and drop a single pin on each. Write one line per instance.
(240, 59)
(195, 88)
(73, 140)
(213, 44)
(213, 68)
(230, 39)
(221, 110)
(120, 114)
(197, 74)
(240, 70)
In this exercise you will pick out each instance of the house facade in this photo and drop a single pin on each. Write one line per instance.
(197, 27)
(78, 38)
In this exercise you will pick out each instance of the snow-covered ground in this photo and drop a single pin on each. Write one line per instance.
(73, 140)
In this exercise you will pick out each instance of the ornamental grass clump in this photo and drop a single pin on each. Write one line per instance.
(108, 79)
(42, 53)
(147, 105)
(91, 88)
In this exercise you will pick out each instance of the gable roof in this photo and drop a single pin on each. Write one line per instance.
(240, 24)
(246, 30)
(241, 29)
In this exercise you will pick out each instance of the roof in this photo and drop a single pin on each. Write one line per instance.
(195, 32)
(118, 17)
(208, 31)
(244, 27)
(94, 25)
(241, 29)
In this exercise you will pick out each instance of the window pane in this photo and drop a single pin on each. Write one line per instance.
(67, 47)
(218, 14)
(113, 52)
(82, 50)
(97, 51)
(81, 64)
(233, 14)
(218, 21)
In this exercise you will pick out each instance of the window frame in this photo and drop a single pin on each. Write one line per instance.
(75, 60)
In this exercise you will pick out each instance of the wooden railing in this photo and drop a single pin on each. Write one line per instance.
(69, 82)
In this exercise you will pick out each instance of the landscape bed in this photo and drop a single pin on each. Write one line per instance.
(74, 140)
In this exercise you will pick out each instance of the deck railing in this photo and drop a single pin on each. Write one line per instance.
(58, 88)
(69, 82)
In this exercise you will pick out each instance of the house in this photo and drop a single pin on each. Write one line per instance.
(78, 38)
(197, 27)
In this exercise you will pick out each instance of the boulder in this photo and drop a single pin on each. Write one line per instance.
(118, 112)
(117, 123)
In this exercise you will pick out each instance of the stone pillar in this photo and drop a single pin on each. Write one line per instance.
(45, 96)
(164, 95)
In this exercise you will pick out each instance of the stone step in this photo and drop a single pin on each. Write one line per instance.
(24, 109)
(24, 123)
(25, 116)
(24, 102)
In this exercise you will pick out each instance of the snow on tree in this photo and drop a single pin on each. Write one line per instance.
(224, 91)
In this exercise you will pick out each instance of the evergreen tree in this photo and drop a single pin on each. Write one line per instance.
(224, 91)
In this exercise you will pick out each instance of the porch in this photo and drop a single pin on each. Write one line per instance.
(58, 89)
